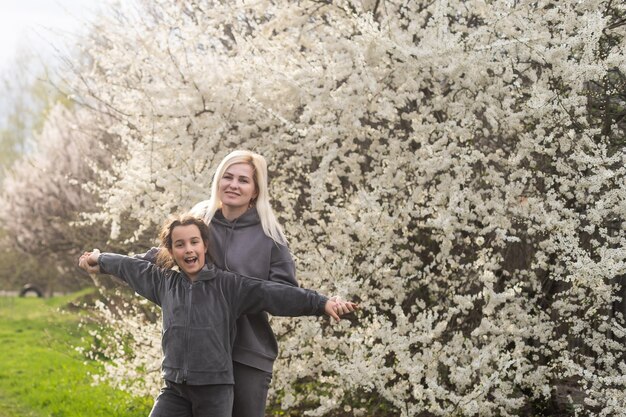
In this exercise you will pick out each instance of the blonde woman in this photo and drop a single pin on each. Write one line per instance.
(246, 238)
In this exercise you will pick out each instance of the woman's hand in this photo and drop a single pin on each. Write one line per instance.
(89, 261)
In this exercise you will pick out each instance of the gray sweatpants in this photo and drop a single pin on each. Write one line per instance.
(181, 400)
(251, 386)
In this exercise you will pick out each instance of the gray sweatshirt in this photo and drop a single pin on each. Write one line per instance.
(241, 246)
(199, 318)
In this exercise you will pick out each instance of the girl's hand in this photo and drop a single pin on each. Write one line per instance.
(342, 306)
(336, 307)
(89, 261)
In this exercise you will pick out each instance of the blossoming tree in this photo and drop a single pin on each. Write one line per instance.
(456, 166)
(43, 194)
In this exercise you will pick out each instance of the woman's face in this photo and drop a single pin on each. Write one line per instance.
(237, 188)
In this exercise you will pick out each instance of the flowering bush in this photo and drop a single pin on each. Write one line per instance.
(126, 341)
(455, 166)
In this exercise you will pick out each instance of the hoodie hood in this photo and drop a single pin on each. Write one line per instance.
(249, 218)
(207, 273)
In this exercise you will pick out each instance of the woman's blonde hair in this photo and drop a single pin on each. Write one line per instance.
(206, 209)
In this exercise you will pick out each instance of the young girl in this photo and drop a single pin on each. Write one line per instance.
(200, 305)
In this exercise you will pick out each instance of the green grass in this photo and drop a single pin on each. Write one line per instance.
(41, 374)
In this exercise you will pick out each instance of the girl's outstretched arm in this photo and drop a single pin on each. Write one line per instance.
(251, 295)
(142, 276)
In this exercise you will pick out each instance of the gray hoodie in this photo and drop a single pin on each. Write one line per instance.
(199, 318)
(243, 247)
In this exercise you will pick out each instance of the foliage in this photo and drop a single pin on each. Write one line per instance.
(45, 199)
(18, 269)
(456, 166)
(25, 100)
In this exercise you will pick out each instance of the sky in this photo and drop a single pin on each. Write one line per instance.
(40, 30)
(37, 26)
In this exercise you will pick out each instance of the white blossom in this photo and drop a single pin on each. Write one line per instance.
(435, 161)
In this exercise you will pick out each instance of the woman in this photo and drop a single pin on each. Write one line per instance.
(246, 238)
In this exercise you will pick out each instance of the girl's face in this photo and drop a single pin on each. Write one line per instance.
(237, 189)
(188, 249)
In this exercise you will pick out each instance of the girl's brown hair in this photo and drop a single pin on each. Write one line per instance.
(164, 259)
